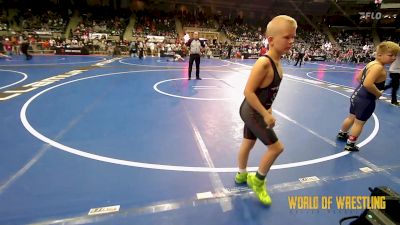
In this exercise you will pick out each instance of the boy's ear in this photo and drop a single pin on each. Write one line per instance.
(270, 39)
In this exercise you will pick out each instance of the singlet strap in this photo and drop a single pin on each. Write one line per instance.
(366, 68)
(276, 73)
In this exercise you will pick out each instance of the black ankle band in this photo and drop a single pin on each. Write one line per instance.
(259, 176)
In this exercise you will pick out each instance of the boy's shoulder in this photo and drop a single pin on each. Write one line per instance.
(263, 60)
(375, 67)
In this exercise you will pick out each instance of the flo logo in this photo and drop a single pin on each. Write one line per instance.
(370, 15)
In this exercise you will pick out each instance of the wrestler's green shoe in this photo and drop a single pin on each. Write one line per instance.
(259, 188)
(241, 178)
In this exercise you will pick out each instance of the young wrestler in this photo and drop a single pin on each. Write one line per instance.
(256, 112)
(176, 58)
(4, 56)
(362, 102)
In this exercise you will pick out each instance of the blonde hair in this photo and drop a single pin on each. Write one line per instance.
(387, 46)
(273, 25)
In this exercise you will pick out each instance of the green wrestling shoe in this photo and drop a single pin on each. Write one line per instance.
(259, 189)
(241, 178)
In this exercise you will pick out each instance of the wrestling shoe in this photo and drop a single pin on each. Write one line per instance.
(241, 178)
(342, 136)
(259, 188)
(351, 147)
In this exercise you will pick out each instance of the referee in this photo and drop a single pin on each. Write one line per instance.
(195, 46)
(395, 77)
(300, 56)
(25, 49)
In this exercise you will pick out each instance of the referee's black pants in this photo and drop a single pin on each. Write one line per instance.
(299, 59)
(196, 58)
(394, 84)
(24, 50)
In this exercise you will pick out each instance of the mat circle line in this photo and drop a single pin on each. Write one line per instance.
(25, 76)
(92, 156)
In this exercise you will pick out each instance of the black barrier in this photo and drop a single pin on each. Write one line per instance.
(72, 51)
(251, 55)
(318, 58)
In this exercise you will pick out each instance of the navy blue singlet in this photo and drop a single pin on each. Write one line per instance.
(362, 102)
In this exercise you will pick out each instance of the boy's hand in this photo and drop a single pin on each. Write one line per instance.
(269, 120)
(380, 94)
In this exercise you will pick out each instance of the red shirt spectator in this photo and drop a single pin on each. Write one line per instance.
(7, 46)
(263, 51)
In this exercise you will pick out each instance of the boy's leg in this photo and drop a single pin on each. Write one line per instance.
(357, 127)
(243, 157)
(269, 157)
(355, 132)
(244, 151)
(257, 181)
(346, 125)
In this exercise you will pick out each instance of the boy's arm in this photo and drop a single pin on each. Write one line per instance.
(257, 75)
(372, 75)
